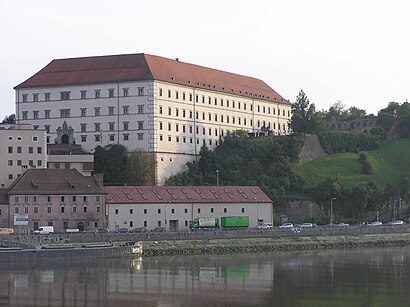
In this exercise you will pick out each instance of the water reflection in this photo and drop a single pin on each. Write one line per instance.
(356, 277)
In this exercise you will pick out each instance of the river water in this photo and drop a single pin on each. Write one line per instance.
(341, 277)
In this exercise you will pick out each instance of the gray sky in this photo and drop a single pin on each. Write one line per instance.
(353, 51)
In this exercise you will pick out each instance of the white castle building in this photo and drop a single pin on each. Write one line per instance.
(167, 107)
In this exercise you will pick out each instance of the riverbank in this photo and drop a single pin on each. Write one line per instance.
(254, 245)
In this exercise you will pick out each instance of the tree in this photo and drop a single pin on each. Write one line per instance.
(304, 119)
(140, 168)
(111, 161)
(355, 113)
(9, 119)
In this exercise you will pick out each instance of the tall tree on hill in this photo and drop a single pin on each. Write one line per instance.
(304, 119)
(140, 168)
(111, 160)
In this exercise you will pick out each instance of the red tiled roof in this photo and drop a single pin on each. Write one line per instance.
(138, 67)
(185, 194)
(54, 181)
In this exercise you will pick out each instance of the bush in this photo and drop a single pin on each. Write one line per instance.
(338, 142)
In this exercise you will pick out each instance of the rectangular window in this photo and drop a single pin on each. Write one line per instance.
(85, 209)
(126, 136)
(243, 210)
(125, 126)
(199, 210)
(169, 93)
(160, 92)
(140, 109)
(97, 138)
(83, 127)
(140, 91)
(83, 139)
(140, 136)
(111, 111)
(24, 114)
(64, 95)
(10, 163)
(83, 94)
(26, 210)
(112, 137)
(83, 112)
(140, 125)
(111, 93)
(97, 94)
(131, 211)
(125, 92)
(19, 150)
(39, 150)
(30, 150)
(46, 114)
(35, 114)
(39, 163)
(64, 113)
(47, 96)
(97, 111)
(225, 210)
(35, 209)
(145, 211)
(10, 176)
(49, 210)
(111, 126)
(159, 211)
(125, 110)
(25, 97)
(97, 127)
(62, 209)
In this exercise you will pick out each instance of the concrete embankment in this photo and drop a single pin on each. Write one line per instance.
(226, 246)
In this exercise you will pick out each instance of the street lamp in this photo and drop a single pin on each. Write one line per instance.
(217, 177)
(331, 210)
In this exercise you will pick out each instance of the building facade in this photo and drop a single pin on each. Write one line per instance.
(166, 107)
(173, 207)
(68, 156)
(62, 198)
(21, 148)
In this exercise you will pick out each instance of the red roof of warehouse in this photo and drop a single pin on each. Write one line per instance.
(185, 194)
(139, 67)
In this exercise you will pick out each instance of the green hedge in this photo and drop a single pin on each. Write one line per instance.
(338, 142)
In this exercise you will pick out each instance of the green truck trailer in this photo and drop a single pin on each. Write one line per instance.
(233, 222)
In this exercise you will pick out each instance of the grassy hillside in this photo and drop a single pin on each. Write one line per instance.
(390, 161)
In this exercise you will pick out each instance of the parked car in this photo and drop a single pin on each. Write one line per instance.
(103, 230)
(342, 225)
(286, 226)
(265, 226)
(376, 223)
(159, 229)
(395, 222)
(306, 225)
(139, 230)
(122, 230)
(91, 231)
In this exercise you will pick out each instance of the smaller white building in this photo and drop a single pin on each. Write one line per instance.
(173, 207)
(21, 147)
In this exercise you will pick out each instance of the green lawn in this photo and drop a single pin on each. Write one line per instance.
(389, 162)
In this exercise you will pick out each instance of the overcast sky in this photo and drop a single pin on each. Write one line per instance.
(353, 51)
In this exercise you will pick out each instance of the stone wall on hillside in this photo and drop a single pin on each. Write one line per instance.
(312, 149)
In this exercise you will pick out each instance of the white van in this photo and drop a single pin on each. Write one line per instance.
(44, 230)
